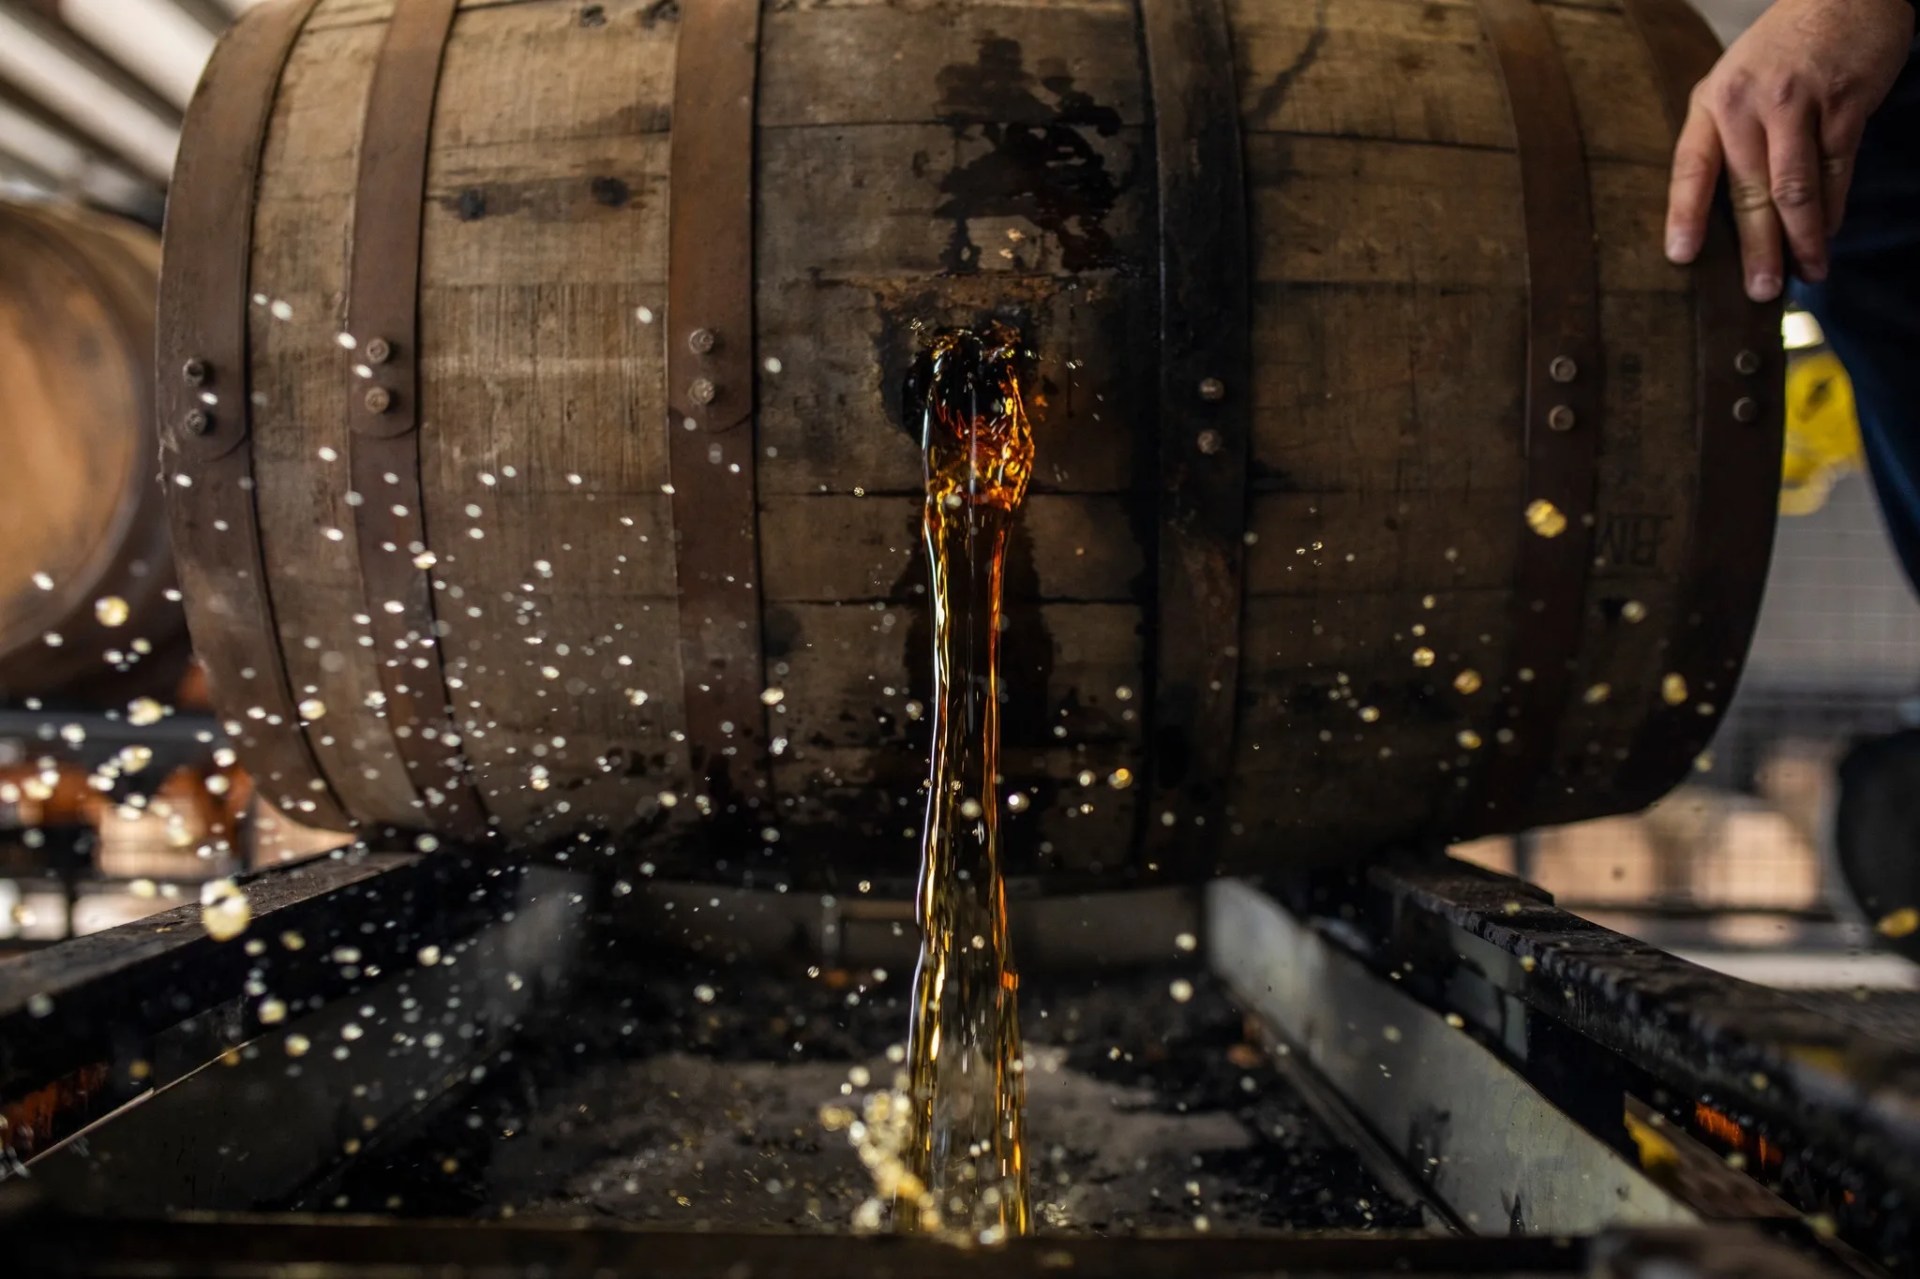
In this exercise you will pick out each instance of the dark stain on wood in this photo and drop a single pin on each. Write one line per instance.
(1275, 94)
(611, 192)
(1040, 164)
(542, 199)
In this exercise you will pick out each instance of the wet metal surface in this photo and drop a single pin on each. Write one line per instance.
(1144, 1112)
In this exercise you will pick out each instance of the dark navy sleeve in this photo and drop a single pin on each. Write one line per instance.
(1869, 307)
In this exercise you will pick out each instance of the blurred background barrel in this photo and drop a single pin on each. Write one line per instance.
(530, 383)
(84, 562)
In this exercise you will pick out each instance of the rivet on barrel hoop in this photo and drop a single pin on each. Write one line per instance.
(1560, 418)
(379, 400)
(1747, 362)
(194, 372)
(1212, 390)
(378, 350)
(700, 341)
(197, 422)
(1745, 409)
(703, 390)
(1563, 369)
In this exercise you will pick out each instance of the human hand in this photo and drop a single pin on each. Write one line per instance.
(1782, 112)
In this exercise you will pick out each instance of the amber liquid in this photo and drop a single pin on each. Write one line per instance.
(963, 1047)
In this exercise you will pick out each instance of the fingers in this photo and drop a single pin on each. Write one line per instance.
(1751, 191)
(1696, 170)
(1839, 142)
(1793, 163)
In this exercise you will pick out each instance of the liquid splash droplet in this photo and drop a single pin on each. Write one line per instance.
(225, 911)
(1546, 519)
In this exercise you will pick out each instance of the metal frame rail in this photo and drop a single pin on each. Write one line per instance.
(99, 1021)
(340, 1248)
(1824, 1118)
(1504, 1053)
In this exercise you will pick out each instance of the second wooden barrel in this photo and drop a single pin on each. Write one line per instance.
(530, 386)
(84, 564)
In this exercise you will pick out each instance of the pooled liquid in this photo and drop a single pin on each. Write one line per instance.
(963, 1048)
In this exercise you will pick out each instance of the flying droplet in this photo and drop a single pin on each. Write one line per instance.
(1469, 739)
(1423, 656)
(313, 708)
(145, 711)
(1467, 681)
(272, 1012)
(43, 580)
(1546, 519)
(1634, 611)
(1370, 714)
(1019, 801)
(773, 696)
(225, 911)
(1598, 694)
(1900, 923)
(1674, 688)
(1181, 989)
(111, 610)
(1120, 778)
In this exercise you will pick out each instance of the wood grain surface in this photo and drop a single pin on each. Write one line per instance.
(924, 163)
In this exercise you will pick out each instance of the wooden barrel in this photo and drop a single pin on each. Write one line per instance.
(1391, 486)
(84, 563)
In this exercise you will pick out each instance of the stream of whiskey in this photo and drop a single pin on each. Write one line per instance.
(963, 1047)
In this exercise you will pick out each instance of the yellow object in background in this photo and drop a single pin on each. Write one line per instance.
(1823, 432)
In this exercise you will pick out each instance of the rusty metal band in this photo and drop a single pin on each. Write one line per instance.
(710, 401)
(1560, 433)
(383, 399)
(1740, 402)
(1206, 414)
(203, 393)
